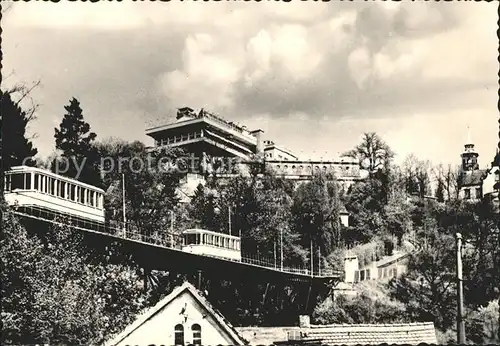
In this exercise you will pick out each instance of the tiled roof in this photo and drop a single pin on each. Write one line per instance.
(372, 334)
(472, 177)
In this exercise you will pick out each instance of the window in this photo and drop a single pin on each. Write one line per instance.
(52, 190)
(356, 275)
(368, 274)
(92, 198)
(72, 192)
(179, 335)
(478, 193)
(17, 181)
(60, 189)
(361, 275)
(37, 182)
(27, 181)
(98, 200)
(467, 193)
(190, 239)
(7, 183)
(81, 195)
(395, 272)
(196, 334)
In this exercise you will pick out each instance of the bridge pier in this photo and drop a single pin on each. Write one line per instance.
(308, 296)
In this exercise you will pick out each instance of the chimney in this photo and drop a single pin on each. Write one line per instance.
(258, 134)
(184, 112)
(304, 321)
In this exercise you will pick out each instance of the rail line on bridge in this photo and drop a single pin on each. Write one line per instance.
(157, 240)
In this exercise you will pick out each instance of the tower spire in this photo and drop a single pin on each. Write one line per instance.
(469, 140)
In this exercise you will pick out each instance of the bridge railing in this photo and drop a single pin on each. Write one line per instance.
(158, 238)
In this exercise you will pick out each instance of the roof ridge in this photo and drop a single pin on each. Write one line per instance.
(407, 324)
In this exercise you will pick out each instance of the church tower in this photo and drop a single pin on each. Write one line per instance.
(470, 177)
(469, 155)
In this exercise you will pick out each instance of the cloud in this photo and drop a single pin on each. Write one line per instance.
(313, 67)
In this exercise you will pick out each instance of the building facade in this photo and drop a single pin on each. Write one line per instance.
(383, 270)
(470, 176)
(227, 149)
(184, 317)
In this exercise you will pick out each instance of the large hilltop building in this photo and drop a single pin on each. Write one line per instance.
(210, 138)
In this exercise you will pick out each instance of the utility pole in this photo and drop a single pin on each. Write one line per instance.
(124, 211)
(275, 254)
(281, 248)
(319, 260)
(460, 306)
(171, 228)
(312, 256)
(229, 219)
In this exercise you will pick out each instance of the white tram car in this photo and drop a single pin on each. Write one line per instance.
(34, 187)
(203, 242)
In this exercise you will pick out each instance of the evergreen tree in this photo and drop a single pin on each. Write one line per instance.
(74, 139)
(16, 149)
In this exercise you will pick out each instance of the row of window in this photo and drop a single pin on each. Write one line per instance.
(364, 274)
(179, 334)
(54, 187)
(210, 239)
(180, 138)
(309, 168)
(467, 193)
(280, 157)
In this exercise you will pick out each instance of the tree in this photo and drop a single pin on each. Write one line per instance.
(371, 304)
(373, 153)
(448, 177)
(54, 290)
(428, 288)
(74, 139)
(151, 185)
(440, 191)
(204, 207)
(417, 175)
(366, 205)
(16, 149)
(316, 215)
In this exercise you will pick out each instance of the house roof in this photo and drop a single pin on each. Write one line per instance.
(198, 296)
(472, 178)
(390, 259)
(372, 334)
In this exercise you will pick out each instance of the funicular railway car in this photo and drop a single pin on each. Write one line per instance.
(204, 242)
(44, 191)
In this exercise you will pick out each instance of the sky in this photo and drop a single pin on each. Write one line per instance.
(314, 76)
